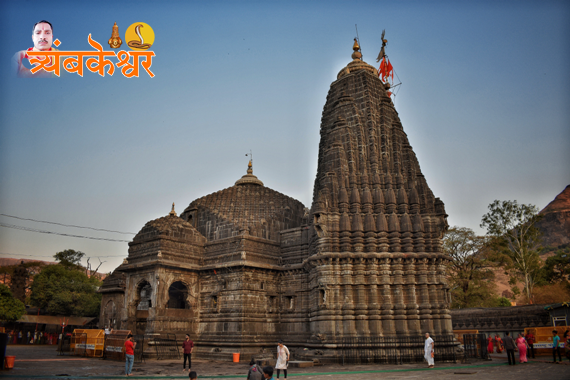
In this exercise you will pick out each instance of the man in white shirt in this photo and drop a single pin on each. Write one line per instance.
(428, 351)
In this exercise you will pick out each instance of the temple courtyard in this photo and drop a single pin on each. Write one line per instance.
(42, 362)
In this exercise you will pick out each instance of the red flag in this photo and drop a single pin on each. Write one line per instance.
(390, 70)
(383, 69)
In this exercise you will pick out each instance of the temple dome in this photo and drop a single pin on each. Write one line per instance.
(247, 208)
(169, 226)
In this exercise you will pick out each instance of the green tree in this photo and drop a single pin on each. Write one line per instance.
(66, 290)
(69, 257)
(557, 267)
(20, 276)
(515, 235)
(503, 302)
(469, 269)
(11, 309)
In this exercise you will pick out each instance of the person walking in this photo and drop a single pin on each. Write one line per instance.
(530, 340)
(522, 346)
(255, 372)
(282, 358)
(499, 343)
(429, 352)
(556, 346)
(188, 347)
(129, 354)
(510, 347)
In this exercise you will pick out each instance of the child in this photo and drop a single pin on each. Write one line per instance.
(268, 373)
(255, 372)
(192, 375)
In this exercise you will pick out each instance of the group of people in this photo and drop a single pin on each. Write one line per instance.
(258, 373)
(255, 371)
(521, 345)
(525, 344)
(496, 342)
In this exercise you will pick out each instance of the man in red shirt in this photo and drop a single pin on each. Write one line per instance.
(129, 354)
(530, 340)
(188, 347)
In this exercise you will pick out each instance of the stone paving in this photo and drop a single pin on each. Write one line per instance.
(42, 362)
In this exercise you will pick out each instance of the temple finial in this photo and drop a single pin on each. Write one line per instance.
(249, 178)
(356, 47)
(172, 212)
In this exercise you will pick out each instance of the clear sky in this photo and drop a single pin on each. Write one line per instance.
(485, 102)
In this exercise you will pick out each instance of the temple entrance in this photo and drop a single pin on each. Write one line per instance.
(178, 296)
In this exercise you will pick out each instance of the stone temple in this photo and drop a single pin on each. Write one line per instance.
(246, 266)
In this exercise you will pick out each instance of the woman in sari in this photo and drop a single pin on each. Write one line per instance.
(490, 345)
(522, 347)
(499, 343)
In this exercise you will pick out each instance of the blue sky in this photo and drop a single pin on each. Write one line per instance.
(484, 101)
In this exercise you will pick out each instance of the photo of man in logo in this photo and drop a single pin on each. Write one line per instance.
(42, 36)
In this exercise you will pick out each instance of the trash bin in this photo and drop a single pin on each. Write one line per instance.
(236, 357)
(10, 362)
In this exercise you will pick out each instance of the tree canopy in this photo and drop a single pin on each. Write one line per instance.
(69, 257)
(469, 269)
(11, 309)
(66, 290)
(512, 226)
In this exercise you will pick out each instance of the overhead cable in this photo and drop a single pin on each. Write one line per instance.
(69, 225)
(58, 233)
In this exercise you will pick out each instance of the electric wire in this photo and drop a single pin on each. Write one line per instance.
(58, 233)
(18, 254)
(69, 225)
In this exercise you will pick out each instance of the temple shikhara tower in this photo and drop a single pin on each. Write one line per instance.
(246, 266)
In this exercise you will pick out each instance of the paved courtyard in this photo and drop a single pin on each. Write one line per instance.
(42, 362)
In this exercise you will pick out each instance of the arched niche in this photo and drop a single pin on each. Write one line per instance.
(178, 296)
(144, 292)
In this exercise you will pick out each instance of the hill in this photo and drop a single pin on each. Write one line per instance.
(5, 261)
(555, 222)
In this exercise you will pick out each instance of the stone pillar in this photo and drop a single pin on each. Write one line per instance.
(398, 297)
(361, 309)
(373, 302)
(387, 305)
(348, 302)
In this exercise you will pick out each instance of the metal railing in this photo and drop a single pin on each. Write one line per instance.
(475, 346)
(394, 350)
(166, 346)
